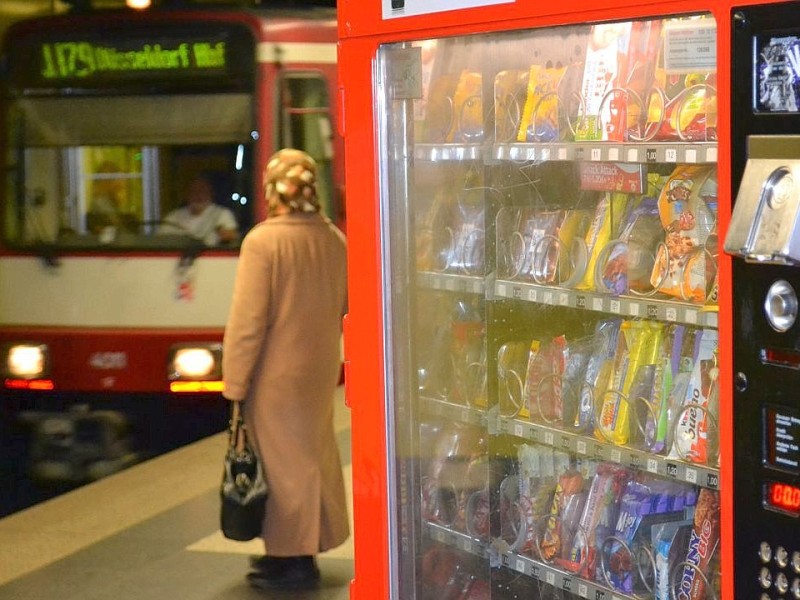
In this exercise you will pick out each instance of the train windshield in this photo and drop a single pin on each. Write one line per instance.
(129, 172)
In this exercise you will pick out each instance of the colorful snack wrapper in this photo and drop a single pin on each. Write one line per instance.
(669, 545)
(687, 206)
(468, 109)
(598, 372)
(608, 215)
(510, 88)
(566, 502)
(702, 545)
(692, 429)
(540, 117)
(598, 518)
(543, 386)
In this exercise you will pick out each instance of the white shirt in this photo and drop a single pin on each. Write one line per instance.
(202, 226)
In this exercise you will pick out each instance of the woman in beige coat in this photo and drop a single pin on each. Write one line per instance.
(281, 355)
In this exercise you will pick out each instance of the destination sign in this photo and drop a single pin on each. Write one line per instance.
(69, 60)
(158, 58)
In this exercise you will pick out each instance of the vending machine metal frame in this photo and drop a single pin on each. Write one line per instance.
(363, 30)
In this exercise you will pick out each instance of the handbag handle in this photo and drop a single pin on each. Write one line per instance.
(237, 436)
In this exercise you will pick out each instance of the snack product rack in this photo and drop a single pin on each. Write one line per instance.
(539, 197)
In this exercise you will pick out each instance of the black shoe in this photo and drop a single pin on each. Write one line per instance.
(283, 572)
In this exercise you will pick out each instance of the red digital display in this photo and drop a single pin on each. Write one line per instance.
(783, 497)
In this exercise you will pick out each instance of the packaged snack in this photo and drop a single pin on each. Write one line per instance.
(690, 581)
(608, 215)
(537, 483)
(645, 42)
(533, 257)
(637, 345)
(565, 508)
(606, 56)
(468, 109)
(697, 417)
(626, 263)
(468, 235)
(510, 89)
(571, 244)
(577, 356)
(687, 207)
(683, 103)
(598, 518)
(644, 505)
(540, 116)
(543, 383)
(669, 544)
(598, 372)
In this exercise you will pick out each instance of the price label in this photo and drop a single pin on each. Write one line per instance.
(501, 290)
(517, 292)
(563, 299)
(520, 565)
(545, 154)
(449, 285)
(596, 154)
(691, 155)
(613, 154)
(549, 438)
(671, 314)
(583, 590)
(691, 316)
(711, 155)
(615, 455)
(712, 481)
(518, 429)
(671, 155)
(615, 306)
(652, 465)
(580, 447)
(562, 154)
(597, 304)
(633, 155)
(547, 297)
(533, 295)
(633, 309)
(691, 475)
(550, 578)
(672, 470)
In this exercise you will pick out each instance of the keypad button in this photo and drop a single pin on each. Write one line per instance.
(765, 578)
(796, 561)
(796, 588)
(781, 583)
(781, 557)
(765, 552)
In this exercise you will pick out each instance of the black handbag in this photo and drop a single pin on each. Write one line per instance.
(244, 489)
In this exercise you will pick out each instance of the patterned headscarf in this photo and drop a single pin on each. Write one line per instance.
(290, 178)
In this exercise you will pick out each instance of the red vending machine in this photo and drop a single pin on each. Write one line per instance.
(539, 350)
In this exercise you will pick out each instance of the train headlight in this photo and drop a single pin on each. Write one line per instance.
(25, 366)
(26, 361)
(196, 368)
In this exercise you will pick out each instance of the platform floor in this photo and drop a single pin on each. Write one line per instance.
(150, 533)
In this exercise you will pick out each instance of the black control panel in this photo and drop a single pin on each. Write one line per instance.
(765, 238)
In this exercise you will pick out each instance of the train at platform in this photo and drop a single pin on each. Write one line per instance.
(111, 313)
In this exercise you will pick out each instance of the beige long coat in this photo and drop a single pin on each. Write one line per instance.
(281, 353)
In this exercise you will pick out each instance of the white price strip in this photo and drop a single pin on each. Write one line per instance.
(520, 566)
(545, 154)
(691, 155)
(691, 316)
(616, 456)
(633, 309)
(615, 306)
(547, 297)
(563, 299)
(671, 155)
(633, 155)
(596, 154)
(691, 475)
(652, 465)
(501, 290)
(549, 438)
(583, 590)
(597, 304)
(393, 9)
(533, 295)
(449, 285)
(550, 577)
(562, 154)
(518, 429)
(580, 447)
(671, 313)
(613, 154)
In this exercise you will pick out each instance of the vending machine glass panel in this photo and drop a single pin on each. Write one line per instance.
(549, 233)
